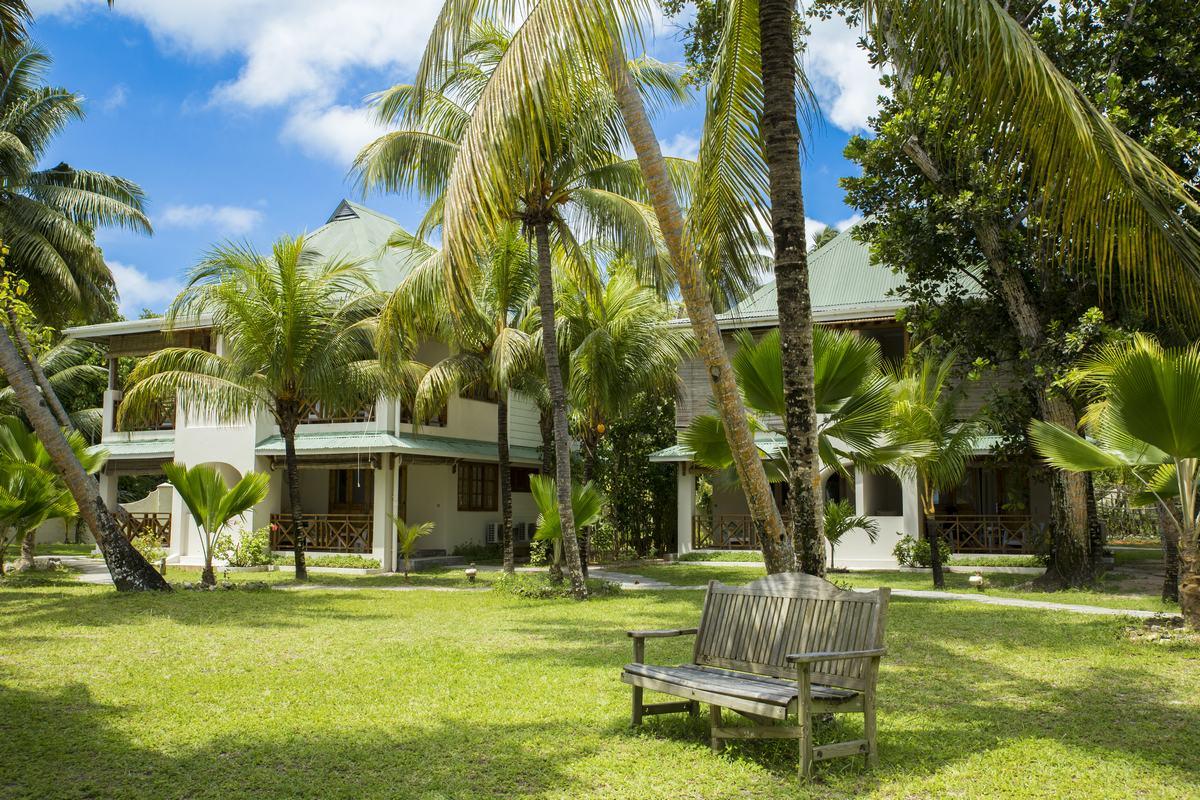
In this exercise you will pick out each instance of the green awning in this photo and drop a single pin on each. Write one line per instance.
(160, 447)
(348, 442)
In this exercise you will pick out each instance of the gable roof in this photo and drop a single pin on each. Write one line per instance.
(844, 284)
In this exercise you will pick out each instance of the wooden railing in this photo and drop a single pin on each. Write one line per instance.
(334, 533)
(138, 523)
(988, 533)
(727, 532)
(164, 420)
(316, 414)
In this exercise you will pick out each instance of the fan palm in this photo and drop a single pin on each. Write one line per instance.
(297, 330)
(32, 491)
(926, 409)
(214, 505)
(406, 539)
(616, 343)
(840, 520)
(1145, 423)
(560, 180)
(587, 501)
(488, 346)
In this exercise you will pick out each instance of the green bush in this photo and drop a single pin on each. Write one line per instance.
(724, 555)
(473, 551)
(997, 561)
(541, 553)
(250, 549)
(150, 546)
(342, 560)
(911, 553)
(536, 586)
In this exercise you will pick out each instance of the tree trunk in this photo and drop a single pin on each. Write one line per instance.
(208, 577)
(1168, 534)
(505, 479)
(558, 405)
(287, 428)
(1070, 556)
(130, 572)
(35, 367)
(1189, 585)
(546, 427)
(781, 146)
(587, 444)
(698, 301)
(28, 550)
(933, 534)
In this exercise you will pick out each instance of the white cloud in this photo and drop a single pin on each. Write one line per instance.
(227, 220)
(811, 228)
(337, 132)
(685, 144)
(115, 99)
(848, 222)
(138, 290)
(846, 85)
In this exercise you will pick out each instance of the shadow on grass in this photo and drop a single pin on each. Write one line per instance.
(68, 745)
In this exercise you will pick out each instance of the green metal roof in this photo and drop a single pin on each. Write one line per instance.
(357, 233)
(843, 283)
(141, 448)
(328, 442)
(773, 444)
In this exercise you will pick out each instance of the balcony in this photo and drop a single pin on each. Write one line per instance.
(989, 533)
(330, 533)
(318, 414)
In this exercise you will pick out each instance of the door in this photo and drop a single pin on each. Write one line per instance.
(351, 491)
(402, 492)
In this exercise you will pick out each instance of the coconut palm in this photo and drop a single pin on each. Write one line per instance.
(488, 346)
(840, 520)
(297, 331)
(616, 343)
(926, 409)
(33, 491)
(564, 182)
(75, 379)
(406, 539)
(587, 502)
(1144, 423)
(212, 504)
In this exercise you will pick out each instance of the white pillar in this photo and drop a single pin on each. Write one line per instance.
(382, 538)
(686, 508)
(912, 507)
(108, 490)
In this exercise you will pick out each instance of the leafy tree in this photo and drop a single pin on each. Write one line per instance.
(840, 520)
(297, 331)
(214, 505)
(925, 409)
(483, 328)
(1145, 422)
(407, 537)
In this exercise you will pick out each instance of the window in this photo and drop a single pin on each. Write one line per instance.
(477, 486)
(520, 478)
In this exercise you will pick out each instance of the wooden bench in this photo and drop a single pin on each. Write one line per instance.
(784, 646)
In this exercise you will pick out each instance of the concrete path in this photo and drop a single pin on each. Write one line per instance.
(1017, 602)
(88, 570)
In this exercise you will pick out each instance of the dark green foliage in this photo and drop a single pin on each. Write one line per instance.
(912, 553)
(536, 586)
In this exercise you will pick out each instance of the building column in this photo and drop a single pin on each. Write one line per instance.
(382, 533)
(108, 490)
(686, 508)
(912, 507)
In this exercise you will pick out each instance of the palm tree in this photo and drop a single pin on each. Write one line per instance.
(1144, 423)
(33, 491)
(214, 505)
(840, 520)
(74, 378)
(616, 343)
(827, 235)
(297, 331)
(483, 329)
(560, 180)
(587, 502)
(926, 410)
(406, 539)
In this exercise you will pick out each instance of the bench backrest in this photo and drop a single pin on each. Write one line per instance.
(753, 628)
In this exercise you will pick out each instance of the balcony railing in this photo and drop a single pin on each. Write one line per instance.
(316, 414)
(989, 533)
(727, 532)
(136, 524)
(164, 420)
(332, 533)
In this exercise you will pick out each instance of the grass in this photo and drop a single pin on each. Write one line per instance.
(62, 549)
(445, 577)
(723, 555)
(995, 561)
(373, 694)
(1107, 594)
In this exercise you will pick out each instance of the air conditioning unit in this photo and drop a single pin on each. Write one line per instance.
(491, 532)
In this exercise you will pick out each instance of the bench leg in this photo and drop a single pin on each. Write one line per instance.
(872, 755)
(637, 705)
(806, 744)
(714, 717)
(694, 708)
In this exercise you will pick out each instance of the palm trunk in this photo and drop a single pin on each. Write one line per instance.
(1070, 557)
(1168, 534)
(587, 444)
(35, 367)
(287, 428)
(208, 577)
(546, 427)
(781, 146)
(130, 572)
(28, 549)
(933, 534)
(698, 300)
(505, 479)
(558, 404)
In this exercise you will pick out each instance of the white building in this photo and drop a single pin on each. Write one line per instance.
(994, 511)
(356, 472)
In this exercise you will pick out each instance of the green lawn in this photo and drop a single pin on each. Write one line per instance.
(1001, 585)
(440, 576)
(336, 694)
(60, 549)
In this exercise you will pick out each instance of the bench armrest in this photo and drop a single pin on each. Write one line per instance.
(812, 658)
(662, 634)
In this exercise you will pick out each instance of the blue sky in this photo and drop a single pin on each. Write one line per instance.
(239, 117)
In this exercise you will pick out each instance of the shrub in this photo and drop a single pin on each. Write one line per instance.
(341, 560)
(473, 551)
(150, 546)
(541, 552)
(724, 555)
(535, 586)
(911, 553)
(250, 549)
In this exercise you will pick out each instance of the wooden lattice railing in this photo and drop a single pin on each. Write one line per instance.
(988, 533)
(137, 523)
(727, 532)
(317, 414)
(333, 533)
